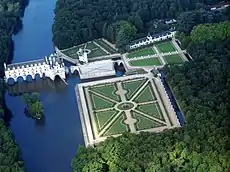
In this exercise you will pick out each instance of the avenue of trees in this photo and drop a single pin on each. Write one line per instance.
(34, 107)
(202, 88)
(10, 12)
(78, 21)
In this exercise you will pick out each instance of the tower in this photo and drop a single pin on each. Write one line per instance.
(82, 55)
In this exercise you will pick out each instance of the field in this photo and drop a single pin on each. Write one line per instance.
(165, 47)
(97, 48)
(173, 59)
(141, 52)
(146, 62)
(127, 105)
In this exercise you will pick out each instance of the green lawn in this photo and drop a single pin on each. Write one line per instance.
(173, 59)
(100, 103)
(108, 90)
(96, 53)
(91, 45)
(104, 117)
(141, 52)
(104, 45)
(132, 86)
(151, 109)
(95, 50)
(145, 95)
(146, 62)
(166, 47)
(117, 127)
(73, 50)
(144, 122)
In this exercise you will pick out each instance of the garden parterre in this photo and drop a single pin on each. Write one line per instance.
(127, 104)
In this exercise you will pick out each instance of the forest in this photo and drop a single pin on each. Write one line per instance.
(10, 12)
(78, 21)
(202, 88)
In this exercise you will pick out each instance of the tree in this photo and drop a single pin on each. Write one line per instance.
(201, 88)
(124, 33)
(34, 108)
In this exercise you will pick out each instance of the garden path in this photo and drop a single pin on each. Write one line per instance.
(129, 120)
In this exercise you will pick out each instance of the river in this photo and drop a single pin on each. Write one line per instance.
(50, 145)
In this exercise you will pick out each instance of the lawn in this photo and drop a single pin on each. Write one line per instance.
(104, 117)
(100, 103)
(132, 86)
(145, 95)
(144, 122)
(73, 50)
(173, 59)
(91, 45)
(96, 53)
(95, 50)
(108, 90)
(146, 62)
(166, 47)
(151, 109)
(117, 127)
(141, 52)
(104, 45)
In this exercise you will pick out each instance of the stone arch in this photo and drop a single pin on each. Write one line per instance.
(57, 76)
(116, 65)
(29, 77)
(20, 79)
(37, 76)
(43, 75)
(10, 81)
(120, 64)
(76, 72)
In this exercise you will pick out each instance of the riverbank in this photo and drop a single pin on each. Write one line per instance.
(10, 154)
(54, 139)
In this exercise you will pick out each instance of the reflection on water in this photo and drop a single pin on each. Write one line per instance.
(39, 85)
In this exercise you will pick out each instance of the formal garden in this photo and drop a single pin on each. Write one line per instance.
(142, 52)
(173, 59)
(157, 55)
(165, 47)
(96, 48)
(154, 61)
(126, 105)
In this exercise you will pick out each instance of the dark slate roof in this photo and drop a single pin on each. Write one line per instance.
(24, 63)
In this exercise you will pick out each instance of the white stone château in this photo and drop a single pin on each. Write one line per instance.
(49, 66)
(151, 39)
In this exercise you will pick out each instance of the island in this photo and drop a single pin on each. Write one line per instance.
(34, 107)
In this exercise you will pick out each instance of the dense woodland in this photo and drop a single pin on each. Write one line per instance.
(10, 12)
(78, 21)
(202, 88)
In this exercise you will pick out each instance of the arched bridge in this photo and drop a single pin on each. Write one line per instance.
(49, 66)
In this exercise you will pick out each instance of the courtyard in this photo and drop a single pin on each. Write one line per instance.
(128, 104)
